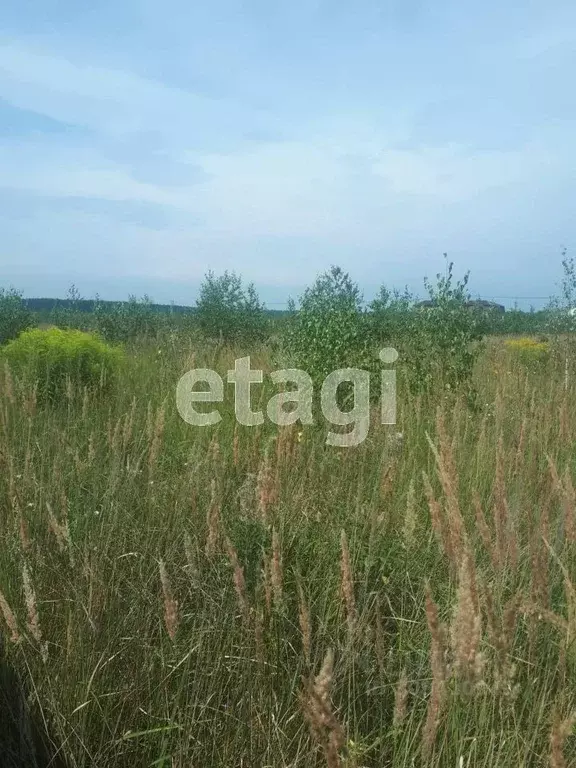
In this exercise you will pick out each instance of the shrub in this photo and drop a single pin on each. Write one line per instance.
(226, 310)
(53, 357)
(14, 315)
(135, 318)
(442, 336)
(390, 315)
(330, 330)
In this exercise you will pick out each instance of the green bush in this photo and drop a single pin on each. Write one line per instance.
(227, 311)
(442, 339)
(14, 315)
(330, 329)
(52, 358)
(127, 320)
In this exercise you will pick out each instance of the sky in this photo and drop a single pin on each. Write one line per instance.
(143, 143)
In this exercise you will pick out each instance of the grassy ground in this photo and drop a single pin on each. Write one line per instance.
(252, 597)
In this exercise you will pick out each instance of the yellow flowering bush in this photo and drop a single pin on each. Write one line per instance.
(529, 350)
(53, 357)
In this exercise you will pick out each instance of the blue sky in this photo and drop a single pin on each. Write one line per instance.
(142, 143)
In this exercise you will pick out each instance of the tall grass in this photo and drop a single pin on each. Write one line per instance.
(252, 597)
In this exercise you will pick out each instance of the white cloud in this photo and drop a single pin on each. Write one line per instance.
(111, 101)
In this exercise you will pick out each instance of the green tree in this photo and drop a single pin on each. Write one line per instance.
(227, 310)
(329, 330)
(15, 316)
(390, 314)
(560, 317)
(443, 336)
(125, 320)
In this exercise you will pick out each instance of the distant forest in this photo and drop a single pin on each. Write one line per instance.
(89, 305)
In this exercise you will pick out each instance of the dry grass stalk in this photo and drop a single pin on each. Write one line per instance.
(8, 388)
(156, 439)
(539, 557)
(481, 440)
(521, 446)
(449, 481)
(30, 400)
(85, 403)
(439, 675)
(25, 540)
(506, 542)
(10, 619)
(267, 583)
(326, 730)
(501, 636)
(91, 454)
(259, 635)
(69, 635)
(212, 521)
(276, 576)
(347, 582)
(149, 422)
(128, 427)
(387, 476)
(545, 614)
(189, 552)
(236, 447)
(265, 487)
(117, 435)
(570, 595)
(23, 532)
(305, 624)
(400, 700)
(484, 529)
(564, 432)
(33, 622)
(282, 446)
(238, 576)
(569, 506)
(409, 516)
(439, 524)
(109, 432)
(214, 454)
(466, 626)
(564, 489)
(561, 730)
(59, 530)
(171, 620)
(379, 640)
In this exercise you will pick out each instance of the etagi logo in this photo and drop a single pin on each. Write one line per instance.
(300, 400)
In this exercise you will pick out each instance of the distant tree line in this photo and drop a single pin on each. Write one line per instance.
(230, 311)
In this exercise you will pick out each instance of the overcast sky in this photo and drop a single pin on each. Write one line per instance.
(143, 142)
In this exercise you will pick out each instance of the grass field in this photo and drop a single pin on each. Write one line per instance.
(204, 597)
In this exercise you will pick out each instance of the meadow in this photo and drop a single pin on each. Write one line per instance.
(235, 596)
